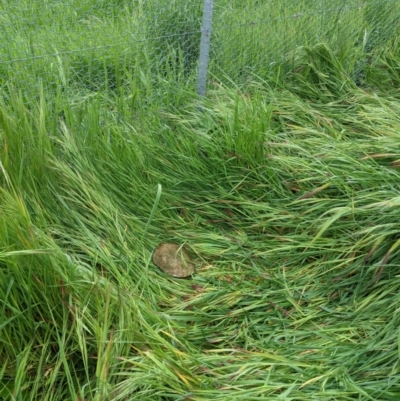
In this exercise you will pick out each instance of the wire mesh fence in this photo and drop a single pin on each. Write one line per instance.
(101, 45)
(261, 38)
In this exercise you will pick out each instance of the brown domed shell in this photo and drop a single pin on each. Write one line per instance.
(173, 260)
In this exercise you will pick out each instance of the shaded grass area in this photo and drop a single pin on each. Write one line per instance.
(287, 198)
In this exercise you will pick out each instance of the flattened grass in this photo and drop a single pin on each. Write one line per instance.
(287, 198)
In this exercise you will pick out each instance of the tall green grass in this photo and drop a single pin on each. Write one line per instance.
(288, 201)
(284, 190)
(98, 46)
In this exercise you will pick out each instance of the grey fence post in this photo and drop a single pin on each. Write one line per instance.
(205, 47)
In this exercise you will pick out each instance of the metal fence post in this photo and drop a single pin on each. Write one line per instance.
(205, 47)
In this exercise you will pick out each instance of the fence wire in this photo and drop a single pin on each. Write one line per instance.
(260, 38)
(101, 45)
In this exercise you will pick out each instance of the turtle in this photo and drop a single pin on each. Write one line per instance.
(173, 260)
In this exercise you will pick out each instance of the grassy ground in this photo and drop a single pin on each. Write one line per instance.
(285, 191)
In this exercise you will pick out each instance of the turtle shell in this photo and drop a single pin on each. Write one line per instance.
(173, 260)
